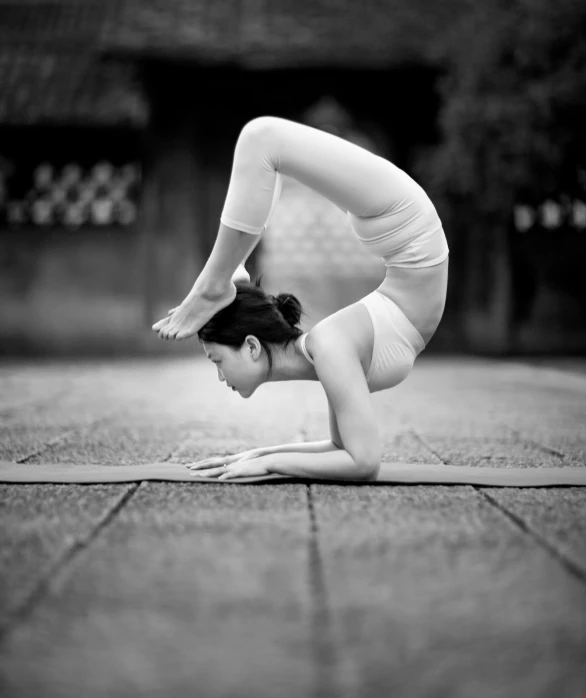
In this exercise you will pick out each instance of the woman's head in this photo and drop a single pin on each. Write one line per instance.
(242, 338)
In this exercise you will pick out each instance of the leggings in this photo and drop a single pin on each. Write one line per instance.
(389, 212)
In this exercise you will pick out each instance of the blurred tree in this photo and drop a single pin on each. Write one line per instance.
(513, 122)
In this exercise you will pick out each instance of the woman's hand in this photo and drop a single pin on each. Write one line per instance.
(220, 461)
(247, 467)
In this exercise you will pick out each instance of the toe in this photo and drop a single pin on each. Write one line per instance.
(161, 323)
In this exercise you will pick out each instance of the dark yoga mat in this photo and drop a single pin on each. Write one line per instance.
(390, 473)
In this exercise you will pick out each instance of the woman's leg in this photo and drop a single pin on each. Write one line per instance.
(239, 275)
(214, 288)
(346, 174)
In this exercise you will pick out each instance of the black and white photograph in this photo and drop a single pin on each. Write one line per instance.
(293, 348)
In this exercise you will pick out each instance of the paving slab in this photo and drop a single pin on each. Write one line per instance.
(503, 401)
(79, 398)
(433, 592)
(555, 516)
(40, 526)
(490, 451)
(193, 589)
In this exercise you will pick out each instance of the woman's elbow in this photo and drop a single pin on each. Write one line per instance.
(368, 467)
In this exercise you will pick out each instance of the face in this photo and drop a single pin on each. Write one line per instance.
(244, 369)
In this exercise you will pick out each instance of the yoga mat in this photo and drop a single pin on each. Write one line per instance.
(390, 473)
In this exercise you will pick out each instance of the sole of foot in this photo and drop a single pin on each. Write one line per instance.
(188, 318)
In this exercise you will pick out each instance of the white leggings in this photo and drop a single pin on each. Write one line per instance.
(389, 212)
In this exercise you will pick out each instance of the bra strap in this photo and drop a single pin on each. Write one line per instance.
(304, 349)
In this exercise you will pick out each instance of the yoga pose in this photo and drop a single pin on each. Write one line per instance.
(368, 346)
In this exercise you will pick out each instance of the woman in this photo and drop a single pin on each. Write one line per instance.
(369, 346)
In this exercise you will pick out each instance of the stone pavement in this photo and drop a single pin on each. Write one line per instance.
(193, 589)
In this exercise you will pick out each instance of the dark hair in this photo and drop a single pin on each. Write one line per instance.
(271, 319)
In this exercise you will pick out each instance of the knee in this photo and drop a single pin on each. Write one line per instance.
(263, 129)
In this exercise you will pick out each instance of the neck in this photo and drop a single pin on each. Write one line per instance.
(290, 364)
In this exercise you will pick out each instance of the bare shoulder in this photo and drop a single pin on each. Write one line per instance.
(324, 340)
(337, 362)
(348, 334)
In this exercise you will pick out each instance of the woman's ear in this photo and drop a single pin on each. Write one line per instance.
(253, 346)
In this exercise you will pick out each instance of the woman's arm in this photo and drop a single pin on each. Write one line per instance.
(335, 465)
(299, 447)
(334, 431)
(351, 415)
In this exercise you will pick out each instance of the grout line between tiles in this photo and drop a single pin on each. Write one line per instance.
(43, 585)
(41, 589)
(324, 650)
(566, 562)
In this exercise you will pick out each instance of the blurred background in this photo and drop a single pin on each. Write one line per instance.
(118, 120)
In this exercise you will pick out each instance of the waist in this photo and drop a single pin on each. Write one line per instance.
(420, 293)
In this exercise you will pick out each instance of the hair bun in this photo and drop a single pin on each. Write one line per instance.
(290, 308)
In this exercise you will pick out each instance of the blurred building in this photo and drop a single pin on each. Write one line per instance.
(118, 120)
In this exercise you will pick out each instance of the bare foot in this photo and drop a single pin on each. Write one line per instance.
(188, 318)
(239, 275)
